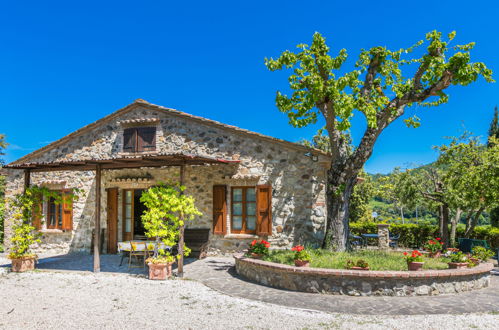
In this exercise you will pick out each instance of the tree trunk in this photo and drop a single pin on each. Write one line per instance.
(338, 192)
(453, 227)
(471, 222)
(443, 227)
(402, 214)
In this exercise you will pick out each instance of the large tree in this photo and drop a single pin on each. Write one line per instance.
(494, 132)
(378, 89)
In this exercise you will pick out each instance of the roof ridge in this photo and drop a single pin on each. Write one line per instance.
(143, 102)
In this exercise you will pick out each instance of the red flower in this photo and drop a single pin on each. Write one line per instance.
(405, 253)
(267, 245)
(297, 248)
(253, 243)
(438, 238)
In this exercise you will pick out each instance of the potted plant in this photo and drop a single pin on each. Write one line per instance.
(434, 247)
(160, 267)
(458, 260)
(302, 257)
(359, 265)
(167, 209)
(414, 260)
(258, 249)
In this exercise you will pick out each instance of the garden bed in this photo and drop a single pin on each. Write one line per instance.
(361, 282)
(377, 260)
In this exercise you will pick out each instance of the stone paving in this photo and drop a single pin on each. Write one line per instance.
(219, 274)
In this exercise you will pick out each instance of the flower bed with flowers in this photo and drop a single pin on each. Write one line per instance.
(363, 273)
(377, 260)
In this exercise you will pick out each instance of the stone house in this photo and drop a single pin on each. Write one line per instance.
(246, 185)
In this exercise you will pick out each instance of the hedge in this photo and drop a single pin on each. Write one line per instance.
(413, 235)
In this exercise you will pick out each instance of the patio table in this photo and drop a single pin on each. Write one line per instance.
(126, 247)
(368, 236)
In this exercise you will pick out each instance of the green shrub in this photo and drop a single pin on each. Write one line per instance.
(414, 236)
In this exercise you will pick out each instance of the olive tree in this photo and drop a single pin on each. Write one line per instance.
(377, 88)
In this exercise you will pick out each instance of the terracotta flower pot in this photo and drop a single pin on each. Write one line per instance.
(302, 263)
(359, 268)
(415, 266)
(160, 271)
(458, 265)
(256, 255)
(437, 254)
(21, 265)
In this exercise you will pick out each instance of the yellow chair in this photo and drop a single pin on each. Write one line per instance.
(138, 250)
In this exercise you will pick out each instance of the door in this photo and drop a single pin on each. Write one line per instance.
(112, 220)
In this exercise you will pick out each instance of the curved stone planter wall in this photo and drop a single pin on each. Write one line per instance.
(364, 283)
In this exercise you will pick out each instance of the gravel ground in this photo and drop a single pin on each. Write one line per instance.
(75, 300)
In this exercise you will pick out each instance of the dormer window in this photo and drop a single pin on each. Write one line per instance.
(139, 139)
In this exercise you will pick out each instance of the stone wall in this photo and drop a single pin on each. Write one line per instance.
(297, 179)
(364, 283)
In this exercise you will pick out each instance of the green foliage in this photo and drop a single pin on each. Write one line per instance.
(469, 165)
(377, 260)
(459, 257)
(363, 192)
(319, 141)
(414, 236)
(481, 253)
(22, 208)
(167, 210)
(317, 78)
(359, 263)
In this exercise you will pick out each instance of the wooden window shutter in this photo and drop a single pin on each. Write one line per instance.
(37, 214)
(264, 210)
(129, 139)
(219, 209)
(146, 139)
(67, 210)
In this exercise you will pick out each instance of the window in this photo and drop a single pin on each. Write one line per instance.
(243, 210)
(58, 215)
(139, 139)
(54, 214)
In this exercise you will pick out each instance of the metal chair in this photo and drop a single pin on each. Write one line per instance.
(394, 241)
(138, 250)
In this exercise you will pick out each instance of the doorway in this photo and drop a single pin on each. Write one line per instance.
(133, 208)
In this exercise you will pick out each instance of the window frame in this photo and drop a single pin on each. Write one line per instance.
(244, 214)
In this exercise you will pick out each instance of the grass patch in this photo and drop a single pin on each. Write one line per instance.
(377, 260)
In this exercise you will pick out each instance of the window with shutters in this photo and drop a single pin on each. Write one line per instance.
(58, 215)
(139, 139)
(243, 210)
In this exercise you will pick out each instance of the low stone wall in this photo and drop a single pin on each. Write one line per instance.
(364, 283)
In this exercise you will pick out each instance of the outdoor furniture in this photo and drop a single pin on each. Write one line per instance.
(125, 248)
(366, 237)
(355, 241)
(138, 250)
(197, 240)
(394, 241)
(467, 244)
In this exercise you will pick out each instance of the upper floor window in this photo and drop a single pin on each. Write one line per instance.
(139, 139)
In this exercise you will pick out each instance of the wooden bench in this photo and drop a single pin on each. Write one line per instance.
(197, 240)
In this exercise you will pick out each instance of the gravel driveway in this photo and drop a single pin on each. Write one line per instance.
(46, 300)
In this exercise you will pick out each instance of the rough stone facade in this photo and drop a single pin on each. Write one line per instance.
(364, 283)
(297, 176)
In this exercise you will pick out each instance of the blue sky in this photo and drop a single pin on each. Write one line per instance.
(65, 64)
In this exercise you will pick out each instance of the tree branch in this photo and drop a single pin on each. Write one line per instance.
(371, 74)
